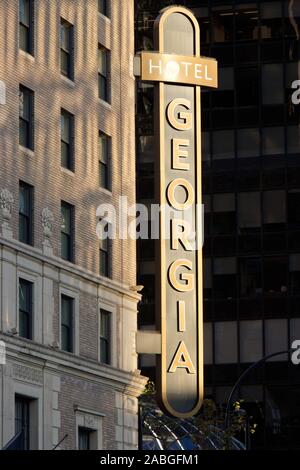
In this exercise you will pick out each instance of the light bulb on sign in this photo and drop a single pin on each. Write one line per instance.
(172, 69)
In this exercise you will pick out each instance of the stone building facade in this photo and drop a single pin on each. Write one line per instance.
(72, 57)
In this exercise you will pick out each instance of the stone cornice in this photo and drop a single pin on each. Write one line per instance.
(58, 263)
(19, 350)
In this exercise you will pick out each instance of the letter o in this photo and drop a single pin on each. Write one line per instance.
(181, 206)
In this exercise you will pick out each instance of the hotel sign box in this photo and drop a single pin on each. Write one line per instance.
(178, 71)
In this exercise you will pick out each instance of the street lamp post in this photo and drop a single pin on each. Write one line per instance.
(246, 372)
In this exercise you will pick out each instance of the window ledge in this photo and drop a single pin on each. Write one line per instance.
(67, 172)
(105, 103)
(104, 17)
(105, 191)
(26, 151)
(67, 80)
(88, 411)
(27, 55)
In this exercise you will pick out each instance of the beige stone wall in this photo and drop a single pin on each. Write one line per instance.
(104, 394)
(41, 74)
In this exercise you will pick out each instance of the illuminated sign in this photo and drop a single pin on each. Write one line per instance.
(178, 343)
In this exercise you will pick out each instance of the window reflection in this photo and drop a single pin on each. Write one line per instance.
(275, 275)
(271, 20)
(250, 277)
(249, 212)
(223, 24)
(247, 22)
(224, 218)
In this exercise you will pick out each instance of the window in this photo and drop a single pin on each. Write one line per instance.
(105, 252)
(293, 140)
(25, 213)
(26, 25)
(275, 275)
(66, 49)
(251, 341)
(22, 421)
(276, 337)
(105, 337)
(272, 84)
(225, 278)
(26, 117)
(103, 61)
(104, 161)
(271, 20)
(84, 438)
(274, 204)
(273, 141)
(103, 7)
(222, 19)
(294, 270)
(224, 218)
(67, 232)
(67, 313)
(225, 340)
(67, 134)
(248, 143)
(250, 277)
(224, 96)
(246, 17)
(247, 86)
(25, 308)
(223, 145)
(294, 209)
(249, 212)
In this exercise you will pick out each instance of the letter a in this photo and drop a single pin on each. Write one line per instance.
(182, 360)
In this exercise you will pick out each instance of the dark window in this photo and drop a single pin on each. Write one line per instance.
(67, 309)
(274, 210)
(224, 278)
(271, 20)
(26, 25)
(66, 49)
(105, 337)
(224, 218)
(275, 276)
(22, 421)
(26, 117)
(104, 161)
(25, 213)
(250, 277)
(103, 66)
(84, 437)
(294, 210)
(294, 270)
(249, 212)
(222, 23)
(103, 7)
(247, 86)
(246, 22)
(105, 252)
(67, 145)
(25, 308)
(67, 231)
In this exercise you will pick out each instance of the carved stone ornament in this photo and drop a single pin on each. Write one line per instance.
(47, 222)
(6, 202)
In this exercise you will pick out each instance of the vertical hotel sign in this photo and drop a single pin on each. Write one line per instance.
(179, 72)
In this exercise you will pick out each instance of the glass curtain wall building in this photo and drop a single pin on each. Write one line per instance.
(251, 193)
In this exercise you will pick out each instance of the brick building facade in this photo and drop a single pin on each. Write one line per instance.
(67, 314)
